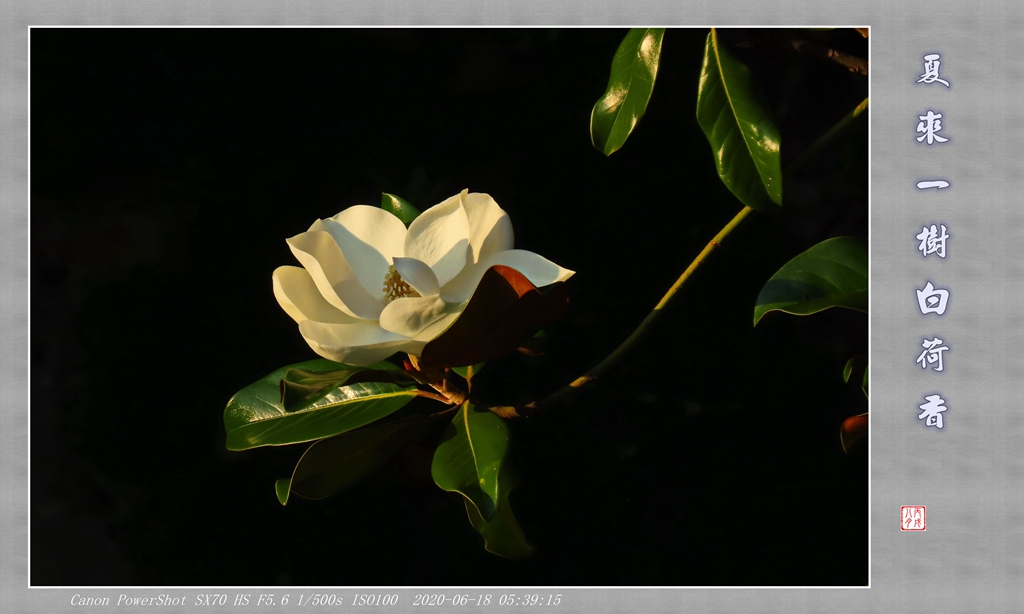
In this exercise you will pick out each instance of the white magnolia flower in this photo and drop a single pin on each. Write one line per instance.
(368, 287)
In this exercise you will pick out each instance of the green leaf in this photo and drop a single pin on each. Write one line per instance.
(468, 372)
(400, 207)
(300, 389)
(833, 273)
(336, 463)
(502, 534)
(470, 456)
(744, 139)
(282, 490)
(256, 417)
(634, 68)
(854, 364)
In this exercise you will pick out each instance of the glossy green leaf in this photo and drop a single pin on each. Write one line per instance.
(402, 208)
(256, 417)
(282, 490)
(502, 534)
(470, 456)
(857, 363)
(744, 139)
(854, 364)
(634, 68)
(300, 388)
(833, 273)
(336, 463)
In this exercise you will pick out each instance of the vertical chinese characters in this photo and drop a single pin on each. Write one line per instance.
(931, 241)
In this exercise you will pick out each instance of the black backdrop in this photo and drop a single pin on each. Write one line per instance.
(169, 166)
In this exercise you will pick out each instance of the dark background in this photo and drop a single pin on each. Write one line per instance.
(169, 167)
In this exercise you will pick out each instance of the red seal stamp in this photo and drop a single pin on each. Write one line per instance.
(912, 518)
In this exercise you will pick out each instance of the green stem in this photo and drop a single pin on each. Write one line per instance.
(825, 140)
(612, 359)
(648, 323)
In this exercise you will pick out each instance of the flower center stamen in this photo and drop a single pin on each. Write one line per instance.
(396, 287)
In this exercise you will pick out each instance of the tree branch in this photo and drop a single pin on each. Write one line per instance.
(626, 346)
(850, 62)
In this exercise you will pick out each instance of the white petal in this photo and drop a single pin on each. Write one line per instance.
(369, 237)
(408, 316)
(452, 313)
(418, 275)
(322, 258)
(538, 269)
(355, 344)
(301, 299)
(375, 227)
(440, 238)
(490, 229)
(428, 334)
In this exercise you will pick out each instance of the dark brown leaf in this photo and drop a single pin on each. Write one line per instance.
(505, 309)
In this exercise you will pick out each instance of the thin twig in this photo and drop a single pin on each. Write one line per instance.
(826, 139)
(850, 62)
(626, 346)
(431, 395)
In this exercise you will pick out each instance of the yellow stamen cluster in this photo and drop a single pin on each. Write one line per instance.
(395, 286)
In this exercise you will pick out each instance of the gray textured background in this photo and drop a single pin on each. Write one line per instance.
(969, 475)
